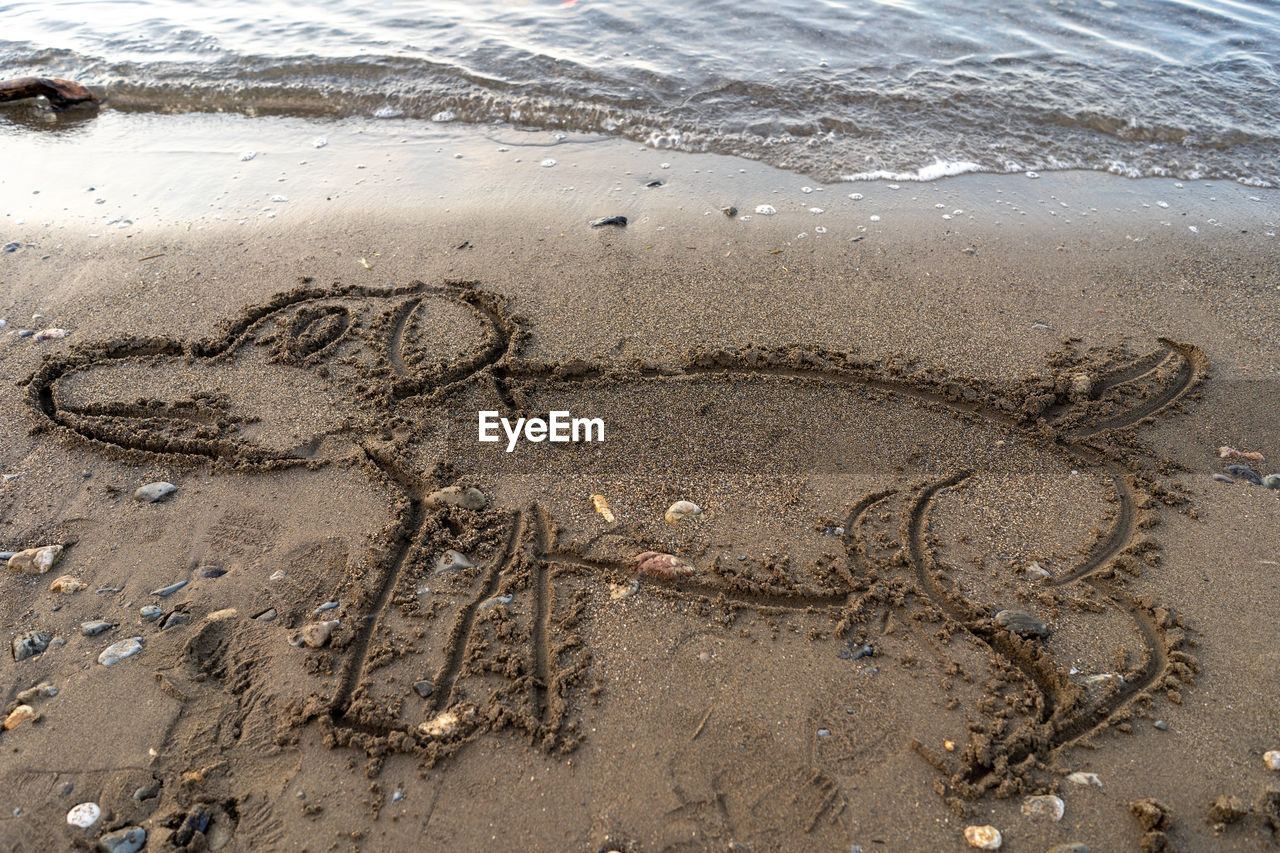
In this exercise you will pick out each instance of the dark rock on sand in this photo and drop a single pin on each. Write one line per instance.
(1022, 623)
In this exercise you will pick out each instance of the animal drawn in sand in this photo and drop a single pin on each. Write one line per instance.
(493, 589)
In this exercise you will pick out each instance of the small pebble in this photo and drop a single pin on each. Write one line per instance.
(1161, 725)
(197, 820)
(18, 716)
(397, 796)
(1272, 759)
(317, 634)
(680, 510)
(95, 627)
(266, 615)
(1244, 472)
(983, 837)
(150, 612)
(84, 815)
(35, 561)
(495, 601)
(166, 591)
(548, 163)
(29, 644)
(1223, 478)
(824, 732)
(43, 690)
(221, 615)
(328, 605)
(67, 585)
(248, 155)
(120, 650)
(469, 498)
(152, 492)
(1044, 806)
(175, 619)
(424, 687)
(1271, 481)
(147, 792)
(128, 840)
(620, 221)
(277, 575)
(1035, 572)
(766, 210)
(1082, 778)
(50, 335)
(857, 652)
(619, 591)
(602, 506)
(1021, 623)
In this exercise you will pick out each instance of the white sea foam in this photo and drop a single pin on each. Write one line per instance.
(938, 169)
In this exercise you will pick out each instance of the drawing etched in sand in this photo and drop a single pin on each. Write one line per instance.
(465, 621)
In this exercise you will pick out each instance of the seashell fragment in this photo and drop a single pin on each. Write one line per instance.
(1225, 452)
(67, 585)
(452, 560)
(680, 510)
(1272, 759)
(983, 837)
(84, 815)
(18, 716)
(447, 723)
(1044, 805)
(1082, 778)
(120, 650)
(50, 335)
(1035, 572)
(661, 566)
(35, 561)
(29, 644)
(602, 507)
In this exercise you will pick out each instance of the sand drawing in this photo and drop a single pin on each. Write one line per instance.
(465, 621)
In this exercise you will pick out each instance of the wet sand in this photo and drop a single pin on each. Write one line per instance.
(886, 423)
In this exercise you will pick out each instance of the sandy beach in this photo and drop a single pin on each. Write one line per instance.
(952, 446)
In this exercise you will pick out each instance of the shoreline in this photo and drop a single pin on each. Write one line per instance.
(622, 723)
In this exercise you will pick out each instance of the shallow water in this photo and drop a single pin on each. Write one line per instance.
(893, 88)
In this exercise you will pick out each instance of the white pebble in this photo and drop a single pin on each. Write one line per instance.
(875, 218)
(120, 650)
(856, 196)
(1082, 778)
(1045, 805)
(983, 837)
(815, 210)
(766, 210)
(84, 815)
(319, 142)
(548, 163)
(806, 190)
(1272, 758)
(248, 155)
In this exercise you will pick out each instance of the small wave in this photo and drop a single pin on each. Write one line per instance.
(937, 169)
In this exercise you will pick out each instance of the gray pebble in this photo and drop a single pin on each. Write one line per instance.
(128, 840)
(147, 792)
(620, 221)
(5, 555)
(95, 627)
(1223, 478)
(824, 732)
(495, 601)
(397, 796)
(1271, 481)
(1070, 847)
(865, 650)
(175, 619)
(120, 650)
(12, 247)
(266, 615)
(29, 644)
(1021, 623)
(26, 333)
(152, 492)
(1244, 472)
(328, 605)
(166, 591)
(151, 613)
(1161, 725)
(424, 687)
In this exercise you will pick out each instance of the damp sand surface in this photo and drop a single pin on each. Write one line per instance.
(884, 423)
